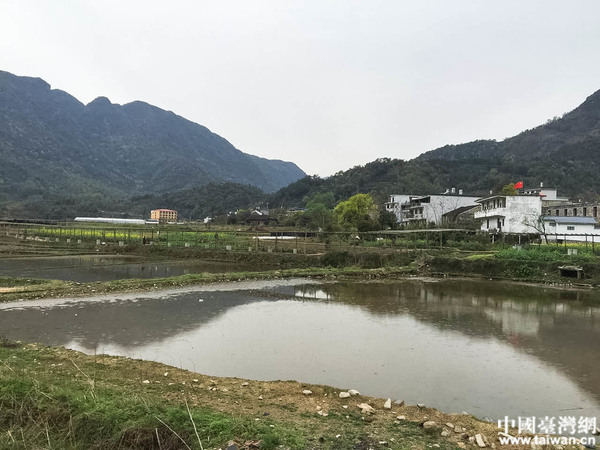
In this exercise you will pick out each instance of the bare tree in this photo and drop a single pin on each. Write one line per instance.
(536, 222)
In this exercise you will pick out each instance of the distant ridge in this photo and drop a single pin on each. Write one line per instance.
(51, 145)
(563, 153)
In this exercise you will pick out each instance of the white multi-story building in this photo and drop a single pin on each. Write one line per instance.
(431, 208)
(426, 209)
(510, 213)
(395, 205)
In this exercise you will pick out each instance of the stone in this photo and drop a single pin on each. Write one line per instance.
(260, 397)
(401, 417)
(461, 445)
(458, 429)
(450, 425)
(232, 446)
(421, 405)
(445, 433)
(344, 394)
(388, 404)
(399, 402)
(245, 383)
(366, 408)
(146, 381)
(479, 440)
(307, 392)
(353, 392)
(429, 424)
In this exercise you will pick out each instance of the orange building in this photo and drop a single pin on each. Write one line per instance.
(163, 215)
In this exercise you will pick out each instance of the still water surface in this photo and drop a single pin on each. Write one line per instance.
(485, 348)
(87, 268)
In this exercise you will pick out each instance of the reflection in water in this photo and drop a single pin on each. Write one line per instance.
(88, 268)
(489, 349)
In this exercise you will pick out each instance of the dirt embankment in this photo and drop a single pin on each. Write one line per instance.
(290, 414)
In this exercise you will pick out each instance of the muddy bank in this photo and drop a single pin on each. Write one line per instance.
(279, 414)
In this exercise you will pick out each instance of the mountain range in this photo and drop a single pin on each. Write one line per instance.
(563, 153)
(60, 158)
(54, 146)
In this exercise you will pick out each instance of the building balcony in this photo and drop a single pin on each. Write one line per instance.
(490, 212)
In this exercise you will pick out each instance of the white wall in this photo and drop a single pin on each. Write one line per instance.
(563, 232)
(442, 204)
(520, 215)
(395, 204)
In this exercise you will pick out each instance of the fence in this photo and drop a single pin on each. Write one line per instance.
(293, 241)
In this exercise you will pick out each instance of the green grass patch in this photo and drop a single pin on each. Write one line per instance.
(73, 406)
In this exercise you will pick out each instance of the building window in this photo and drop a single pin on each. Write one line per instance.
(574, 211)
(566, 212)
(488, 224)
(558, 212)
(595, 211)
(570, 228)
(552, 224)
(585, 212)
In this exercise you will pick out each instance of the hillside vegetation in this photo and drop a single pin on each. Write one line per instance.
(54, 150)
(61, 159)
(563, 153)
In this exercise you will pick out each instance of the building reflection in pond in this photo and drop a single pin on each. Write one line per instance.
(486, 348)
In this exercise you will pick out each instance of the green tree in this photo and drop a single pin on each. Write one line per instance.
(357, 212)
(326, 199)
(318, 213)
(387, 220)
(509, 189)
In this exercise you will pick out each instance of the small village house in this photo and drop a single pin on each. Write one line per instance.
(575, 229)
(510, 213)
(426, 209)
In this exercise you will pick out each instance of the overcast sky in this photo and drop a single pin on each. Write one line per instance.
(326, 84)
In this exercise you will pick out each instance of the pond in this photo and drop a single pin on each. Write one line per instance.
(88, 268)
(490, 349)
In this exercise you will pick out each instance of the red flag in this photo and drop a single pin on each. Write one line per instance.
(519, 185)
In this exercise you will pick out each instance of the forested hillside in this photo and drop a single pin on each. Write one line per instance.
(563, 153)
(56, 151)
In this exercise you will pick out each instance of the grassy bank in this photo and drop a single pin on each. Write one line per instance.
(534, 264)
(57, 398)
(27, 289)
(538, 264)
